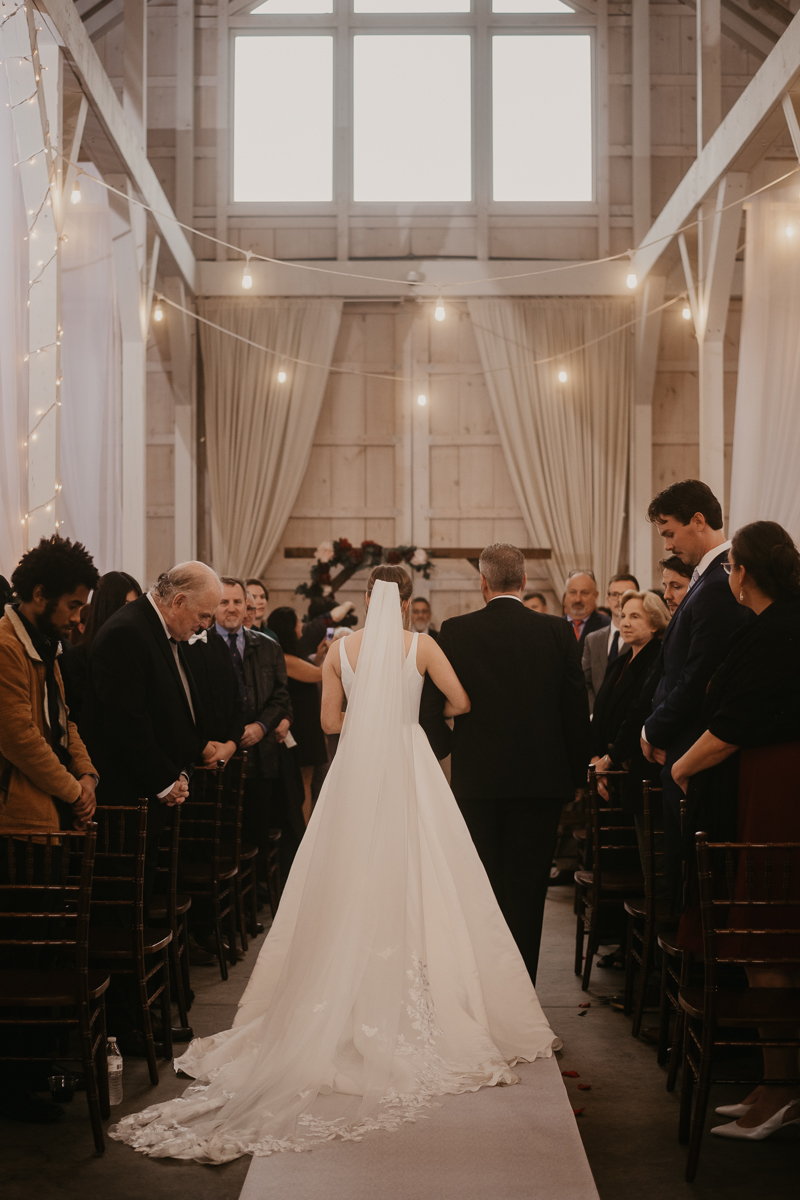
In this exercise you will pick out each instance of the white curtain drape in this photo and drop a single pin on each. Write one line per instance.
(13, 341)
(259, 431)
(91, 389)
(565, 443)
(766, 440)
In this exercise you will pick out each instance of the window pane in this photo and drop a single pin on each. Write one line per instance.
(278, 7)
(542, 117)
(283, 119)
(411, 6)
(528, 6)
(412, 118)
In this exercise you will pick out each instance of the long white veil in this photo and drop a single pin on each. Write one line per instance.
(323, 1007)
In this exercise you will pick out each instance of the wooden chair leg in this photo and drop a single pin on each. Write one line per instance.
(233, 953)
(175, 957)
(664, 1008)
(687, 1089)
(185, 965)
(166, 1008)
(253, 900)
(147, 1029)
(630, 967)
(90, 1075)
(223, 966)
(592, 943)
(700, 1110)
(644, 978)
(676, 1050)
(240, 913)
(102, 1063)
(579, 935)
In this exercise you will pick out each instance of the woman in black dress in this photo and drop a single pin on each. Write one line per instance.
(304, 679)
(618, 712)
(115, 589)
(745, 770)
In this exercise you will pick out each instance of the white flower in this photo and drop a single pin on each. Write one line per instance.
(325, 553)
(319, 1007)
(419, 558)
(369, 1031)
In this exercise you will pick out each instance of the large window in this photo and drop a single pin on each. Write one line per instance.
(421, 102)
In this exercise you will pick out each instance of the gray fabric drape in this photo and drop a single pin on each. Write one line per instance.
(565, 444)
(259, 432)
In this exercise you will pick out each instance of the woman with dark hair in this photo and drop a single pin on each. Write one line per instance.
(114, 590)
(304, 680)
(751, 750)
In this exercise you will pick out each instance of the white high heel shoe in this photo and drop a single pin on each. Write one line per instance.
(733, 1110)
(758, 1132)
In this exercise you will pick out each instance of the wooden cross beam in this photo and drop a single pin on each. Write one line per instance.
(471, 554)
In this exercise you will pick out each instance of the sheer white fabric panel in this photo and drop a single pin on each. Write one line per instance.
(91, 391)
(13, 342)
(565, 443)
(259, 431)
(766, 440)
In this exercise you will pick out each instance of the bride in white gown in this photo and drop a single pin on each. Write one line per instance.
(389, 975)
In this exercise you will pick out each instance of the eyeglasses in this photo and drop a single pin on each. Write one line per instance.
(728, 567)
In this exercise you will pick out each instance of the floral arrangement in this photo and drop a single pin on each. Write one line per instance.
(350, 558)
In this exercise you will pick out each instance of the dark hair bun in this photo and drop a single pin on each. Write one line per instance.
(770, 557)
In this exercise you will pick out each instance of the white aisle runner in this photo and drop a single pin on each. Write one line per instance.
(501, 1143)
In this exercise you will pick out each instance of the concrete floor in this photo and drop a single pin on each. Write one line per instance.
(629, 1127)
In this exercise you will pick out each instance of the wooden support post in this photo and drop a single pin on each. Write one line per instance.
(183, 347)
(709, 70)
(640, 119)
(603, 137)
(134, 68)
(648, 332)
(127, 235)
(710, 298)
(223, 153)
(184, 113)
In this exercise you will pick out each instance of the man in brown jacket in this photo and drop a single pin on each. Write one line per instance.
(44, 765)
(47, 779)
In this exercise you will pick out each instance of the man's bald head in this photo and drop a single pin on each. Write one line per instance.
(187, 597)
(581, 596)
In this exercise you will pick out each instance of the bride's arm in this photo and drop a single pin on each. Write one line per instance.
(331, 715)
(437, 665)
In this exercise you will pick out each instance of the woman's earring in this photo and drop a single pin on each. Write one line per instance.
(741, 597)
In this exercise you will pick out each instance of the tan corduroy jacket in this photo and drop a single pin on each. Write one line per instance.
(30, 772)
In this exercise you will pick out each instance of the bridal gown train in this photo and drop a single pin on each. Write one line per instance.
(389, 976)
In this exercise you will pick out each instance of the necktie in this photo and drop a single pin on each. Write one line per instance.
(614, 651)
(576, 625)
(182, 674)
(238, 665)
(694, 579)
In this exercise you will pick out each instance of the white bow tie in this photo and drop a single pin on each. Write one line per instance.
(202, 636)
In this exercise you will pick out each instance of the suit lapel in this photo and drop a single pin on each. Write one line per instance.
(165, 646)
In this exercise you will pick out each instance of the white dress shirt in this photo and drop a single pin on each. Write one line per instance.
(706, 561)
(506, 596)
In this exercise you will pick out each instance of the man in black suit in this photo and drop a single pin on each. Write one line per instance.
(523, 748)
(262, 693)
(580, 606)
(689, 518)
(143, 717)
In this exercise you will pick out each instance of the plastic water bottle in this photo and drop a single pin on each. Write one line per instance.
(114, 1059)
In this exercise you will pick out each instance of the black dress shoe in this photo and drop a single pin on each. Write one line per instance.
(30, 1108)
(182, 1033)
(259, 928)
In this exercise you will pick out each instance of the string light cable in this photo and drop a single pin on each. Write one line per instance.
(398, 378)
(247, 255)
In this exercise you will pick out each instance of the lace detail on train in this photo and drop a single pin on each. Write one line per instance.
(389, 976)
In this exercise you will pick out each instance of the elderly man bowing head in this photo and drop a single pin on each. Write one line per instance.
(141, 710)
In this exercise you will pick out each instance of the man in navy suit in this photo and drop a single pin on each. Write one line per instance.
(689, 518)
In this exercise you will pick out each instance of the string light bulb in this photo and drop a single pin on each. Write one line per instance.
(686, 313)
(247, 278)
(439, 313)
(158, 312)
(422, 400)
(75, 196)
(562, 376)
(281, 377)
(631, 280)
